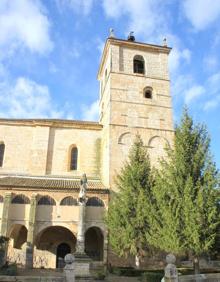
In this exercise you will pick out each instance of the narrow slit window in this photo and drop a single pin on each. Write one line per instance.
(74, 158)
(2, 151)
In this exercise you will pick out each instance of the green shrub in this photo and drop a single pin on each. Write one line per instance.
(100, 275)
(152, 276)
(10, 270)
(126, 271)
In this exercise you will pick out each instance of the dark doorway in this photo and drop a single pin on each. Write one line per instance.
(62, 250)
(94, 243)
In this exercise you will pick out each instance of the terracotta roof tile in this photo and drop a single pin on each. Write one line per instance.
(47, 183)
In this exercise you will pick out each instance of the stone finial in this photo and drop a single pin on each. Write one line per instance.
(170, 258)
(69, 268)
(111, 34)
(171, 273)
(165, 42)
(69, 258)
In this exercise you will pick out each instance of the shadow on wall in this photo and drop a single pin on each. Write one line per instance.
(52, 244)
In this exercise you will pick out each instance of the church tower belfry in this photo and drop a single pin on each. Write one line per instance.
(134, 99)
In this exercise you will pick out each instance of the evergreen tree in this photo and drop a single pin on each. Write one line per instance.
(128, 209)
(184, 215)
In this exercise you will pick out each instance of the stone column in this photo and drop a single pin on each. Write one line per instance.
(80, 246)
(31, 227)
(5, 214)
(82, 261)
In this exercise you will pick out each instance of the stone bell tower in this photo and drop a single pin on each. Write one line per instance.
(134, 99)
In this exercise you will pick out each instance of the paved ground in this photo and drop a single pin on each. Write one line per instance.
(39, 272)
(58, 273)
(114, 278)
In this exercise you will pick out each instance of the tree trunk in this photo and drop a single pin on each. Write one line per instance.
(196, 265)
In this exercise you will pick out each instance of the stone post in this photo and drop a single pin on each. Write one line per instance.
(31, 227)
(69, 268)
(5, 214)
(171, 273)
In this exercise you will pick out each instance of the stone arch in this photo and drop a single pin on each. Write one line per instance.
(125, 138)
(157, 148)
(48, 242)
(20, 199)
(18, 233)
(153, 140)
(46, 200)
(95, 202)
(68, 201)
(94, 243)
(46, 225)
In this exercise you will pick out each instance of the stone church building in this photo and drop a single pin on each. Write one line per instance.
(42, 160)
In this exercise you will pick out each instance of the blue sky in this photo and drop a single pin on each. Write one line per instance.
(50, 52)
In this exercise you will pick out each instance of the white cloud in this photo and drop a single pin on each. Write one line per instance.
(24, 23)
(178, 56)
(201, 13)
(194, 92)
(100, 45)
(180, 84)
(212, 104)
(27, 99)
(214, 82)
(91, 112)
(144, 15)
(79, 6)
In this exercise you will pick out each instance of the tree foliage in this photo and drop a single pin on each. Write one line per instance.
(184, 216)
(128, 210)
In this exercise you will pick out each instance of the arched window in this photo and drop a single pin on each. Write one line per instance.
(47, 201)
(95, 202)
(2, 151)
(138, 64)
(1, 199)
(148, 92)
(20, 199)
(73, 158)
(68, 201)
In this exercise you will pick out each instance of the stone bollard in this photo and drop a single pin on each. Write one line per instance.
(171, 273)
(69, 268)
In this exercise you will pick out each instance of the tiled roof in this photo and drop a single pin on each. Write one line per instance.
(48, 183)
(53, 123)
